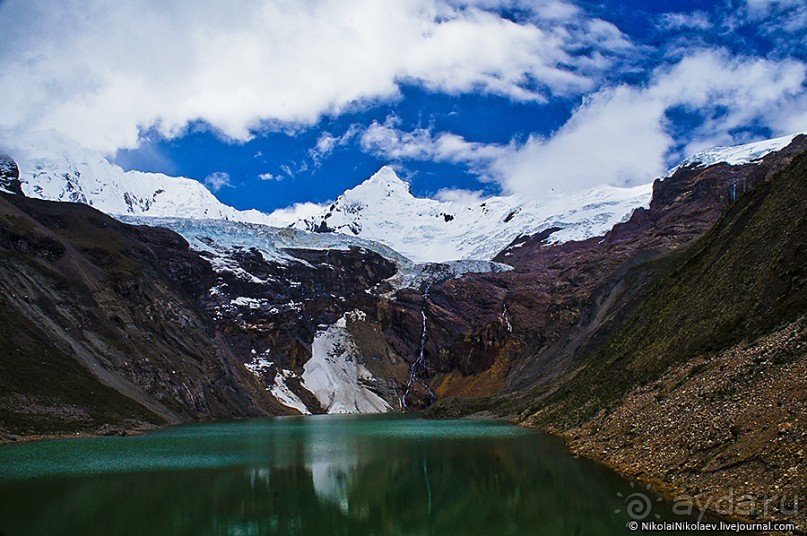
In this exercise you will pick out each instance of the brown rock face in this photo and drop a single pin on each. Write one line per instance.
(284, 317)
(526, 326)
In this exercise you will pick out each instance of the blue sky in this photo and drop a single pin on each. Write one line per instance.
(278, 102)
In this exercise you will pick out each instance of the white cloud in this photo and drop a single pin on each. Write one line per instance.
(620, 135)
(100, 71)
(218, 180)
(616, 137)
(696, 20)
(327, 142)
(287, 170)
(385, 139)
(269, 177)
(459, 195)
(286, 216)
(763, 7)
(772, 17)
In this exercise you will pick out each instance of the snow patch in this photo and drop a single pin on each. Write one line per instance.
(280, 390)
(258, 365)
(426, 274)
(251, 303)
(335, 375)
(284, 394)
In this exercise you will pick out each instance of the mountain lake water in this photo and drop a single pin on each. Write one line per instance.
(323, 475)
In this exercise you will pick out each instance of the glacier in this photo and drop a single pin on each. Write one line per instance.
(380, 210)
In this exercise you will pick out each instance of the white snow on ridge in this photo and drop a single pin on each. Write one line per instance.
(381, 209)
(738, 154)
(427, 230)
(55, 167)
(219, 240)
(217, 237)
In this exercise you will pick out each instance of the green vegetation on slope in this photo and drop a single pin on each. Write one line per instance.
(743, 279)
(45, 391)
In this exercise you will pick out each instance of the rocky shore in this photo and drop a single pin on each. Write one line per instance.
(726, 433)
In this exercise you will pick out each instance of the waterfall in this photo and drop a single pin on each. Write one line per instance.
(418, 369)
(506, 319)
(736, 188)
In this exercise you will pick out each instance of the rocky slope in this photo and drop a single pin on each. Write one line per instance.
(102, 327)
(493, 333)
(680, 359)
(725, 431)
(712, 392)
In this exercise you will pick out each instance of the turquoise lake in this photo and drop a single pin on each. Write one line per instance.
(325, 475)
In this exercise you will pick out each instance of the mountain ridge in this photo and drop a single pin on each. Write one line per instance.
(381, 208)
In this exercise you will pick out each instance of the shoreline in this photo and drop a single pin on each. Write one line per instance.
(668, 491)
(14, 439)
(633, 472)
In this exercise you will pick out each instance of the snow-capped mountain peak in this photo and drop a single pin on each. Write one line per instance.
(380, 209)
(383, 188)
(383, 209)
(428, 230)
(385, 179)
(55, 167)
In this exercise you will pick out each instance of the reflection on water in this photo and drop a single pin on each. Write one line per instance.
(313, 475)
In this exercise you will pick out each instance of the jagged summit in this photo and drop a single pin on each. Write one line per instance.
(428, 230)
(383, 184)
(387, 178)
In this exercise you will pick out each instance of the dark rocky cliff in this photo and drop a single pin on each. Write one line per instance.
(102, 326)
